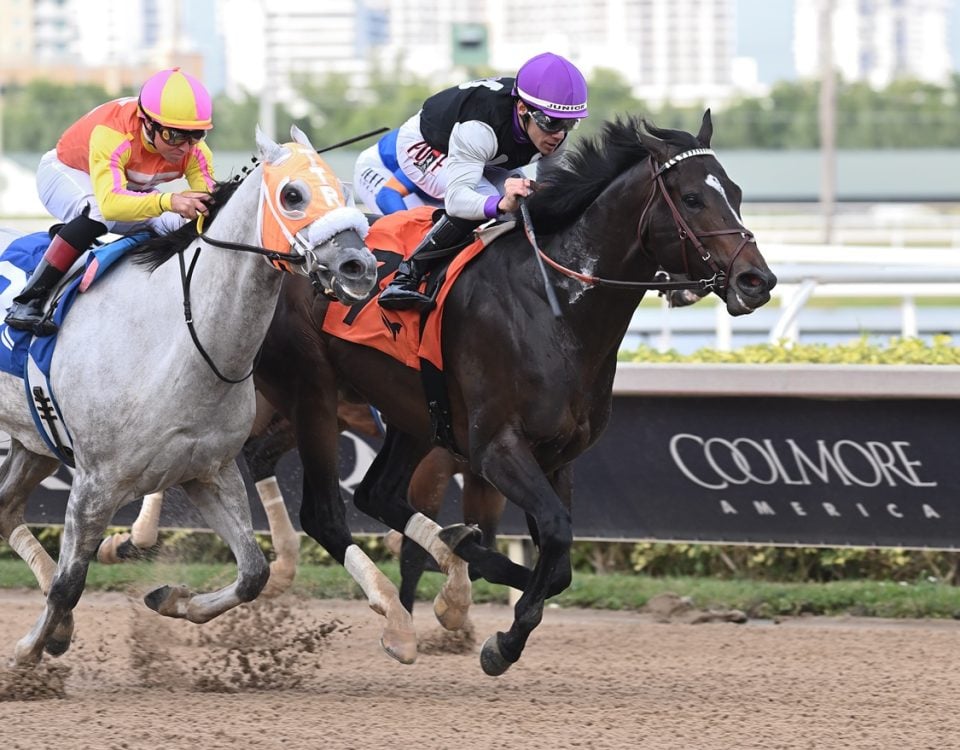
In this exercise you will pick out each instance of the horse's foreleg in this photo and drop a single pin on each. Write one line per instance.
(323, 518)
(286, 542)
(512, 468)
(428, 485)
(144, 531)
(223, 505)
(382, 495)
(143, 534)
(399, 639)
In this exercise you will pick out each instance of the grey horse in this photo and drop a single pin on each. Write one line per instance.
(149, 406)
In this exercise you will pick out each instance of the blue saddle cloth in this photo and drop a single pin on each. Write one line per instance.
(28, 356)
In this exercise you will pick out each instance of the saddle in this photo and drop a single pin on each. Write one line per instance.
(411, 337)
(29, 357)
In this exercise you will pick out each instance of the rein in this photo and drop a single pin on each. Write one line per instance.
(716, 283)
(186, 276)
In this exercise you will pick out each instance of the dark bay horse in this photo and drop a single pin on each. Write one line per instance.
(529, 391)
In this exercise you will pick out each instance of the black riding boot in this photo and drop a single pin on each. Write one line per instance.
(444, 239)
(26, 313)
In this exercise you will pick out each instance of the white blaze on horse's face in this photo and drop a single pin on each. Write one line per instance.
(303, 205)
(715, 183)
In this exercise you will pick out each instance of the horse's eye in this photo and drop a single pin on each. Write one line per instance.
(692, 200)
(291, 197)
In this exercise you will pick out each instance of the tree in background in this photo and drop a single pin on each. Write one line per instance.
(907, 114)
(35, 115)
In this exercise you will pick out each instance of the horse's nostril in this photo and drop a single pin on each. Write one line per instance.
(352, 269)
(753, 283)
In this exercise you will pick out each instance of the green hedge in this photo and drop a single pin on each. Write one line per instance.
(656, 559)
(899, 351)
(670, 560)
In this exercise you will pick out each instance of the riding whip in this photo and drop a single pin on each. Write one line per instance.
(355, 138)
(531, 235)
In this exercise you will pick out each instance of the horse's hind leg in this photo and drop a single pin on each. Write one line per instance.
(382, 495)
(223, 504)
(20, 473)
(86, 519)
(427, 488)
(269, 441)
(286, 542)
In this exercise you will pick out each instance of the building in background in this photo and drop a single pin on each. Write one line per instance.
(680, 50)
(877, 41)
(683, 51)
(270, 44)
(677, 50)
(113, 43)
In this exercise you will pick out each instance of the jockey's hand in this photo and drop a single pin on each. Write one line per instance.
(190, 203)
(514, 188)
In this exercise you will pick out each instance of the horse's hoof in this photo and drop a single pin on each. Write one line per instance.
(450, 618)
(400, 645)
(453, 536)
(56, 647)
(167, 600)
(108, 552)
(60, 639)
(127, 550)
(280, 580)
(491, 660)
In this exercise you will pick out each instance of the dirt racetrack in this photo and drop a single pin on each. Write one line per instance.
(310, 674)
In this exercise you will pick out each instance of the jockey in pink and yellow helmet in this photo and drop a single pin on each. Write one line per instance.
(104, 175)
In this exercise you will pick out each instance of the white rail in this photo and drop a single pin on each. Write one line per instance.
(835, 271)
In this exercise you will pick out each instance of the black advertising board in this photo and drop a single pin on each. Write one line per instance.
(758, 470)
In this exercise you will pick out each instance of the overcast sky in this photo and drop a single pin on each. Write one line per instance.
(765, 33)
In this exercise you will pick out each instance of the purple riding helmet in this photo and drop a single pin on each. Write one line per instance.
(554, 91)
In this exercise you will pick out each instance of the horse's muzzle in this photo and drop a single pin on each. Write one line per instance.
(344, 268)
(749, 289)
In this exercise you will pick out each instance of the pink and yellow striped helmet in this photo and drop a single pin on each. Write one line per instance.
(177, 100)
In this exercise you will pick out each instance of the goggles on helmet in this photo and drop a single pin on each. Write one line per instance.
(549, 124)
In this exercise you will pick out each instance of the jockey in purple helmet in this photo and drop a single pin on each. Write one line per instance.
(465, 147)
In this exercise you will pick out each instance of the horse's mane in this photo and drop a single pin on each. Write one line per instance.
(571, 184)
(156, 251)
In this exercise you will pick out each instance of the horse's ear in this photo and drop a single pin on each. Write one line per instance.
(706, 130)
(300, 137)
(269, 149)
(658, 149)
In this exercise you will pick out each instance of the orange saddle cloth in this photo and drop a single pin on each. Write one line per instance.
(399, 333)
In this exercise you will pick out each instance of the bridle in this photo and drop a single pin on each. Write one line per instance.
(279, 260)
(186, 276)
(720, 279)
